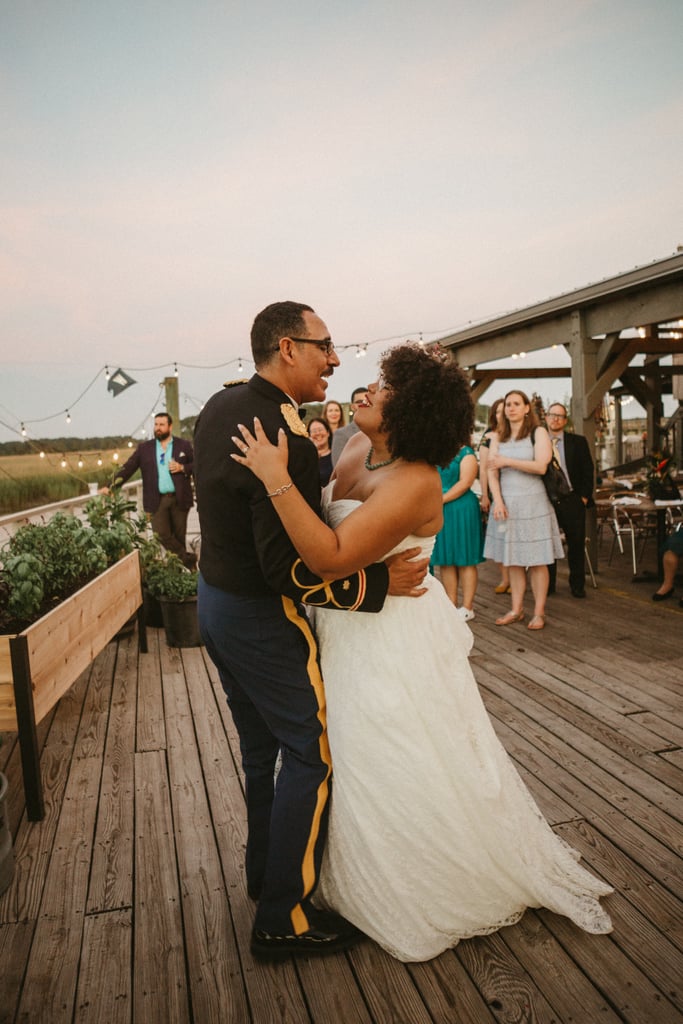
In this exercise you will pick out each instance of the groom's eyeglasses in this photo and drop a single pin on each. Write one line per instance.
(324, 344)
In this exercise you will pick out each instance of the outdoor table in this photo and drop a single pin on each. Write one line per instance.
(644, 507)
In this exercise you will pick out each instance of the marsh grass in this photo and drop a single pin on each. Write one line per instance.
(27, 481)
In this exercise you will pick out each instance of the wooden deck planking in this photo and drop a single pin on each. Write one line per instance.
(213, 964)
(104, 982)
(130, 904)
(605, 774)
(552, 761)
(111, 878)
(160, 984)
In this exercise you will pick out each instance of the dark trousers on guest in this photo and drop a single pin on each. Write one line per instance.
(169, 522)
(571, 517)
(267, 659)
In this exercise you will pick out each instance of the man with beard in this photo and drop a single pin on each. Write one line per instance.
(166, 466)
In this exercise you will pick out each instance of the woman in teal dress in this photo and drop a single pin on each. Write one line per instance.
(459, 546)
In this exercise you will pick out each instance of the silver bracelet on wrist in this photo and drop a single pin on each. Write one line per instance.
(279, 490)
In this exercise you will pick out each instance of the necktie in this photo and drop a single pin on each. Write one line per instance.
(558, 455)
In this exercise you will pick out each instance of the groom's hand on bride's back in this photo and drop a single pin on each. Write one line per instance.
(405, 577)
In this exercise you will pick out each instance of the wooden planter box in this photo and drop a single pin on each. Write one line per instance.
(39, 665)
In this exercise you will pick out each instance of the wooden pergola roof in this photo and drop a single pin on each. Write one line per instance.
(604, 327)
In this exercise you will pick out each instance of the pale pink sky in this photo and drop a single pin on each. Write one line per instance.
(170, 169)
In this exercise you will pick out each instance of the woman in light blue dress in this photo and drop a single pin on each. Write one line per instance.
(522, 531)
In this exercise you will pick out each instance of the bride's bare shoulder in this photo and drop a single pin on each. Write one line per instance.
(357, 443)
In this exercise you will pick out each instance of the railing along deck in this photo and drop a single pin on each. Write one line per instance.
(129, 902)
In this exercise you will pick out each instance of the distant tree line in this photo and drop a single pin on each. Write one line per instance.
(59, 445)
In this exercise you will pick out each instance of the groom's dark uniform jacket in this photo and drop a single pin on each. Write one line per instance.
(245, 549)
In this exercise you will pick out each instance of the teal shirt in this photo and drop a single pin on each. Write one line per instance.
(164, 473)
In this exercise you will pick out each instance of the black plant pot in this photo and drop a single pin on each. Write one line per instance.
(152, 610)
(181, 623)
(6, 848)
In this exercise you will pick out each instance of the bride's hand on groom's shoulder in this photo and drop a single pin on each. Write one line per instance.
(405, 576)
(265, 460)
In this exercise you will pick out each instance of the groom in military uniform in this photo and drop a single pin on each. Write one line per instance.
(251, 592)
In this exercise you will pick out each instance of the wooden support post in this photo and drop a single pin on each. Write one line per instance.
(26, 722)
(172, 402)
(584, 355)
(618, 433)
(142, 629)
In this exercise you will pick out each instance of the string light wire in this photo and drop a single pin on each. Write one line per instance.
(360, 349)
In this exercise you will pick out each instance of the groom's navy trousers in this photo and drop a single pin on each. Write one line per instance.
(267, 661)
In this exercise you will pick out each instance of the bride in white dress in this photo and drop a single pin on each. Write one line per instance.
(433, 837)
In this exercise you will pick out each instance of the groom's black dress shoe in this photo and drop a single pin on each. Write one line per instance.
(330, 936)
(578, 592)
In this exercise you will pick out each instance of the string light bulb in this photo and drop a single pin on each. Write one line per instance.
(175, 369)
(106, 373)
(23, 430)
(80, 462)
(239, 365)
(63, 463)
(99, 460)
(130, 444)
(42, 455)
(115, 456)
(68, 416)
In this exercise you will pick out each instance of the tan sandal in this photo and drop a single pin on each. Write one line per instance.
(537, 622)
(506, 620)
(502, 588)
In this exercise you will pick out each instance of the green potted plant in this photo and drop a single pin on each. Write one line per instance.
(151, 552)
(175, 587)
(66, 588)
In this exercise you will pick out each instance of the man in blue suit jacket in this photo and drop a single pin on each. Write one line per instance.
(166, 465)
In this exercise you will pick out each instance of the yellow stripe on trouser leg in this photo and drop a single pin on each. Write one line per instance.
(299, 921)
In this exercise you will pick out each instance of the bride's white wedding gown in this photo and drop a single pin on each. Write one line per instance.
(433, 836)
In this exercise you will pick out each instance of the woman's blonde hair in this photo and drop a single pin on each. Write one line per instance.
(493, 414)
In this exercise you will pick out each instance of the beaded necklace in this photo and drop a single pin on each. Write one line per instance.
(378, 465)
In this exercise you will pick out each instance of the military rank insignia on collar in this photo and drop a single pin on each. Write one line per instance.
(293, 420)
(234, 383)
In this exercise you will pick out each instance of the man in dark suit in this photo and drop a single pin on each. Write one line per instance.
(251, 588)
(166, 465)
(344, 434)
(574, 456)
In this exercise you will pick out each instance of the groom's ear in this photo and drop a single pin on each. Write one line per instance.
(287, 349)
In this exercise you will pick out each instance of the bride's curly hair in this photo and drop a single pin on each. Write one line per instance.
(428, 413)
